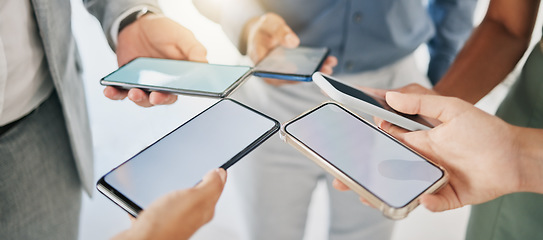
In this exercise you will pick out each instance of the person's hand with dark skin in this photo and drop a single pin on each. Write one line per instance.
(154, 36)
(264, 33)
(485, 156)
(180, 214)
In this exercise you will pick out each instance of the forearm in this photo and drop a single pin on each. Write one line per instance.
(530, 154)
(486, 59)
(453, 21)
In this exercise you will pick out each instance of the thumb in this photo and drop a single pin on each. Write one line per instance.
(438, 107)
(213, 183)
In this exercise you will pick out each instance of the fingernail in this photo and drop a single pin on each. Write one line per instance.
(222, 174)
(291, 40)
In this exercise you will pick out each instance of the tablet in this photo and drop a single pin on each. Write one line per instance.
(367, 103)
(179, 77)
(218, 137)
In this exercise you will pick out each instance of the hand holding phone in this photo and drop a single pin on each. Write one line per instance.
(368, 103)
(180, 77)
(218, 137)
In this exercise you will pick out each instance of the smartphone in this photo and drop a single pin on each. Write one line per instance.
(218, 137)
(375, 165)
(180, 77)
(368, 103)
(294, 64)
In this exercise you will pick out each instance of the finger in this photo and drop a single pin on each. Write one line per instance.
(339, 185)
(114, 93)
(415, 88)
(438, 107)
(212, 184)
(275, 26)
(392, 129)
(327, 70)
(445, 199)
(139, 97)
(160, 98)
(366, 202)
(190, 47)
(330, 61)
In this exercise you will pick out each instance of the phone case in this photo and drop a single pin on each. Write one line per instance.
(388, 211)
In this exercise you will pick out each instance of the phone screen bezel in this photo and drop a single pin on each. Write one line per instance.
(443, 174)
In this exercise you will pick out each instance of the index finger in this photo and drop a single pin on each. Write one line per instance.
(438, 107)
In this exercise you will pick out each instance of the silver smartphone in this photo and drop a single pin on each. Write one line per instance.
(294, 64)
(387, 173)
(218, 137)
(180, 77)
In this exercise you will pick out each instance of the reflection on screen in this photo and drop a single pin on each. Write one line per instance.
(297, 61)
(182, 158)
(387, 169)
(177, 74)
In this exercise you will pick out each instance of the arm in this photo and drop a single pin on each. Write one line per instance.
(453, 21)
(180, 214)
(492, 51)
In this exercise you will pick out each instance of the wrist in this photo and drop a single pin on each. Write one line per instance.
(245, 34)
(530, 156)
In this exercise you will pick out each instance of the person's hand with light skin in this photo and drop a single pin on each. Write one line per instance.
(263, 34)
(180, 214)
(154, 36)
(485, 156)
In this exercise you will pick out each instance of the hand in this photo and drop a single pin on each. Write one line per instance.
(269, 31)
(179, 214)
(478, 150)
(158, 37)
(410, 88)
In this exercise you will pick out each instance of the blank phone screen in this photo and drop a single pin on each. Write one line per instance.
(176, 74)
(217, 137)
(295, 61)
(374, 160)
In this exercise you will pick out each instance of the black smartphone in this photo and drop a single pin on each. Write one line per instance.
(179, 77)
(218, 137)
(294, 64)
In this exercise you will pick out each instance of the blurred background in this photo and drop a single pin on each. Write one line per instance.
(121, 129)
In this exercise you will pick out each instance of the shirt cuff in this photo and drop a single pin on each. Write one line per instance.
(114, 32)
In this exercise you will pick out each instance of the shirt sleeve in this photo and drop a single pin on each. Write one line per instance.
(453, 21)
(111, 12)
(232, 17)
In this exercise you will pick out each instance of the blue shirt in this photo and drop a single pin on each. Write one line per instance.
(369, 34)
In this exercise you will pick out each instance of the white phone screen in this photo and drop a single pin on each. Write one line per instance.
(374, 160)
(217, 137)
(175, 74)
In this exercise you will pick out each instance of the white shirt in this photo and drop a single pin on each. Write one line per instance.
(24, 78)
